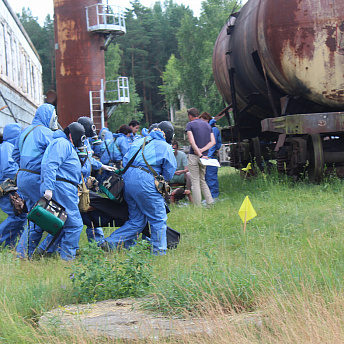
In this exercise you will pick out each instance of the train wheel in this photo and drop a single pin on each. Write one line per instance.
(256, 153)
(315, 155)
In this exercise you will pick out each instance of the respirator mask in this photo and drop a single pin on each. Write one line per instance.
(168, 130)
(53, 125)
(77, 132)
(90, 129)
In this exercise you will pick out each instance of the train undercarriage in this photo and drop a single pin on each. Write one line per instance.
(303, 144)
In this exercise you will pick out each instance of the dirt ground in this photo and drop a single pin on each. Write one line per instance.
(124, 319)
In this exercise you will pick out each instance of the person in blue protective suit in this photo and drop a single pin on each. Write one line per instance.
(145, 203)
(13, 226)
(91, 163)
(28, 153)
(211, 171)
(93, 141)
(104, 134)
(61, 174)
(93, 233)
(115, 150)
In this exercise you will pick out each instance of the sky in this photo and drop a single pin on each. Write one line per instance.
(40, 8)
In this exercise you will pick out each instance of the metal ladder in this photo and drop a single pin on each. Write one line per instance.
(97, 107)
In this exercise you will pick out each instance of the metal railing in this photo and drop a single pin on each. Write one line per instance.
(114, 93)
(105, 18)
(117, 91)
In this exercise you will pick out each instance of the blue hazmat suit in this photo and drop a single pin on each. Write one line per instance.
(145, 203)
(133, 137)
(93, 234)
(117, 148)
(145, 132)
(211, 171)
(13, 226)
(104, 134)
(28, 153)
(61, 161)
(114, 152)
(90, 162)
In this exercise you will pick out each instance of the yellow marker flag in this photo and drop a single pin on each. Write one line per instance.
(247, 208)
(247, 168)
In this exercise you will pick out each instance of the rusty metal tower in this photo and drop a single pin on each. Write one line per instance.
(83, 29)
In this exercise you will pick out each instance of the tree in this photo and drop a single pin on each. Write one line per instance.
(126, 112)
(48, 56)
(113, 57)
(171, 86)
(213, 16)
(147, 46)
(190, 46)
(196, 40)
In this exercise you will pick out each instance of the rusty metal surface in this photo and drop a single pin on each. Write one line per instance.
(315, 155)
(301, 43)
(239, 51)
(80, 62)
(295, 47)
(220, 69)
(305, 123)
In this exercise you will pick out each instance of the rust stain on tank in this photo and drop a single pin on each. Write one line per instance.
(340, 38)
(299, 43)
(331, 39)
(288, 25)
(335, 95)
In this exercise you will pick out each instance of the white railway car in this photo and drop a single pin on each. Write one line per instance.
(20, 71)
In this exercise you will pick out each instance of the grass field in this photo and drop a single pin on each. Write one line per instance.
(287, 269)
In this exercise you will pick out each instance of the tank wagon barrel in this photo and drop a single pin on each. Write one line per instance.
(281, 65)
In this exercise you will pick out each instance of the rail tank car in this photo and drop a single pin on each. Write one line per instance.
(281, 66)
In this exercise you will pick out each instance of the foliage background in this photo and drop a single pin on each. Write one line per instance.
(166, 53)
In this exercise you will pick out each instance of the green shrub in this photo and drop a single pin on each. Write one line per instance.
(99, 276)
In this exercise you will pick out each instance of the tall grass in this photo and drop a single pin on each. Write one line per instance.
(290, 260)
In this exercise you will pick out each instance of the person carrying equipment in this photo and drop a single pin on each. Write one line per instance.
(115, 149)
(61, 174)
(27, 153)
(96, 233)
(145, 203)
(13, 226)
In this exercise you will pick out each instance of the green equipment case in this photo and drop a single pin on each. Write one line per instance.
(48, 215)
(113, 187)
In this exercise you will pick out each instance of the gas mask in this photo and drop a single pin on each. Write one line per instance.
(77, 132)
(153, 126)
(53, 125)
(102, 135)
(168, 130)
(90, 129)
